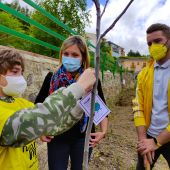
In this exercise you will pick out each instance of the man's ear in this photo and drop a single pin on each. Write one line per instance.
(168, 43)
(3, 81)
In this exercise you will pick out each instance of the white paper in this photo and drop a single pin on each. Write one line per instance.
(101, 110)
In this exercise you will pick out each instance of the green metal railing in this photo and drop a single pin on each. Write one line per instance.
(107, 63)
(30, 21)
(26, 37)
(36, 24)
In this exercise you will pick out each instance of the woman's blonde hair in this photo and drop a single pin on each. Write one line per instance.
(81, 44)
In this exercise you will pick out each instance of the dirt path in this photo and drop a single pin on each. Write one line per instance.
(117, 151)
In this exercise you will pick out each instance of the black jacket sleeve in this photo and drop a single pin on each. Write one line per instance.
(100, 91)
(44, 91)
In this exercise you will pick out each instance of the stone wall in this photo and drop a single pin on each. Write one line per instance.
(113, 84)
(37, 66)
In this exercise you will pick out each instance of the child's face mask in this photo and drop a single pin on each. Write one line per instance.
(16, 85)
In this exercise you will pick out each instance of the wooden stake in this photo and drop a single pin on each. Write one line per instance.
(148, 167)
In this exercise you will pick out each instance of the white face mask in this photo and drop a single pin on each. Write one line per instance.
(16, 85)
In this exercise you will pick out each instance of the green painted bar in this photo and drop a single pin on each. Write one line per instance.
(26, 37)
(31, 21)
(38, 25)
(88, 43)
(51, 17)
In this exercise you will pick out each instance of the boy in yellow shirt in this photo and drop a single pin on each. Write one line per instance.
(21, 122)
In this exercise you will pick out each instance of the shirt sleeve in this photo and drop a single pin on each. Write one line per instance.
(138, 107)
(58, 113)
(168, 128)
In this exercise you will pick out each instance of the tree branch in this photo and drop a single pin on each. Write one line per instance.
(104, 8)
(97, 4)
(117, 19)
(93, 96)
(97, 64)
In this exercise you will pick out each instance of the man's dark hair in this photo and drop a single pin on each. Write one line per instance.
(159, 27)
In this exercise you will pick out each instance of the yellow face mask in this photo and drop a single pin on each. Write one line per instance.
(158, 51)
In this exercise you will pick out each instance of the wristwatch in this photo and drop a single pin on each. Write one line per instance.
(157, 143)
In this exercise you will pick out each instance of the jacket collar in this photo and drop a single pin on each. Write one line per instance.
(165, 65)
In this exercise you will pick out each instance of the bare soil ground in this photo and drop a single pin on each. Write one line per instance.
(118, 150)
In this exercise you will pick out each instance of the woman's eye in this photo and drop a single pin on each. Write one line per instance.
(66, 54)
(75, 55)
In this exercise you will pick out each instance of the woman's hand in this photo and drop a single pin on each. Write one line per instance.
(95, 138)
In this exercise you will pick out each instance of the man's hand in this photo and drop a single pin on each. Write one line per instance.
(146, 162)
(149, 157)
(146, 145)
(87, 79)
(46, 138)
(95, 138)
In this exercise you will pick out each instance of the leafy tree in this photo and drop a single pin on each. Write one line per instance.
(105, 48)
(72, 13)
(16, 5)
(134, 54)
(9, 21)
(99, 37)
(107, 60)
(24, 10)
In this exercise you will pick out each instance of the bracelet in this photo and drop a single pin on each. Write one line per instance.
(157, 143)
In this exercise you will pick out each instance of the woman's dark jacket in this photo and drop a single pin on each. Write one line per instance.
(74, 132)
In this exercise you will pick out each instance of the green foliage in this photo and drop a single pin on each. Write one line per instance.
(72, 13)
(107, 61)
(15, 5)
(91, 58)
(131, 57)
(105, 48)
(24, 10)
(133, 53)
(9, 21)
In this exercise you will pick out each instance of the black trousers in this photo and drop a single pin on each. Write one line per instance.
(164, 150)
(59, 152)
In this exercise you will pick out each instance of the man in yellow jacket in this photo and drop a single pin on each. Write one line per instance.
(152, 103)
(21, 122)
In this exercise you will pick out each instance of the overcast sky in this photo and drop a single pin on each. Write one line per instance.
(129, 32)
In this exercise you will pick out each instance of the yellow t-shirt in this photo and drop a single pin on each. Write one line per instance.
(23, 158)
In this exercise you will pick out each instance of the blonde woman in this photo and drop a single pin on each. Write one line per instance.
(74, 59)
